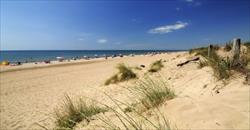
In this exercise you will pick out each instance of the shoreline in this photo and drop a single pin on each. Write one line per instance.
(68, 62)
(29, 56)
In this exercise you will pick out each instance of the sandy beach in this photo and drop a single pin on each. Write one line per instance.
(30, 93)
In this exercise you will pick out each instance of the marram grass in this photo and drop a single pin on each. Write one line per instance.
(156, 66)
(72, 113)
(124, 73)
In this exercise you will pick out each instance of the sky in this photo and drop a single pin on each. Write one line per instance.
(121, 24)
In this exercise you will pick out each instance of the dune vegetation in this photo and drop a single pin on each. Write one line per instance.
(156, 66)
(222, 66)
(149, 92)
(152, 92)
(124, 73)
(72, 113)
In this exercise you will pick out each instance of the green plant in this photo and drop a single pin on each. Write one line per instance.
(128, 109)
(133, 120)
(203, 51)
(156, 66)
(202, 63)
(152, 92)
(72, 113)
(221, 67)
(124, 73)
(113, 79)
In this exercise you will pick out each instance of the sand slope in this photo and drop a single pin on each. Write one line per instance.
(28, 97)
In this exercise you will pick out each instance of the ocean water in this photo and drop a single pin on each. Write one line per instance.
(35, 56)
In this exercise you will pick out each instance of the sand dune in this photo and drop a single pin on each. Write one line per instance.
(29, 96)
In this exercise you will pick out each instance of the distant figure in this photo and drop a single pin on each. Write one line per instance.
(96, 56)
(113, 56)
(60, 59)
(18, 63)
(47, 61)
(106, 57)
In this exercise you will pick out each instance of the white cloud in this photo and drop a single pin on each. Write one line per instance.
(178, 9)
(194, 3)
(80, 39)
(168, 28)
(102, 40)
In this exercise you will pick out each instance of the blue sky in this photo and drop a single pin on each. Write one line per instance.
(121, 24)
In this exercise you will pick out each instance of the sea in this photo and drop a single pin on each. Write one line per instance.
(41, 55)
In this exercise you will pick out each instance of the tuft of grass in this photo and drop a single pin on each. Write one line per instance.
(128, 109)
(124, 73)
(221, 67)
(156, 66)
(133, 120)
(202, 63)
(72, 113)
(113, 79)
(199, 51)
(153, 92)
(245, 59)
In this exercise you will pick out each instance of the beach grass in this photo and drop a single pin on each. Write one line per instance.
(150, 92)
(153, 92)
(199, 51)
(75, 112)
(156, 66)
(124, 73)
(133, 120)
(222, 67)
(202, 63)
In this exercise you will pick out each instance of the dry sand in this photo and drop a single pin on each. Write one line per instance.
(29, 96)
